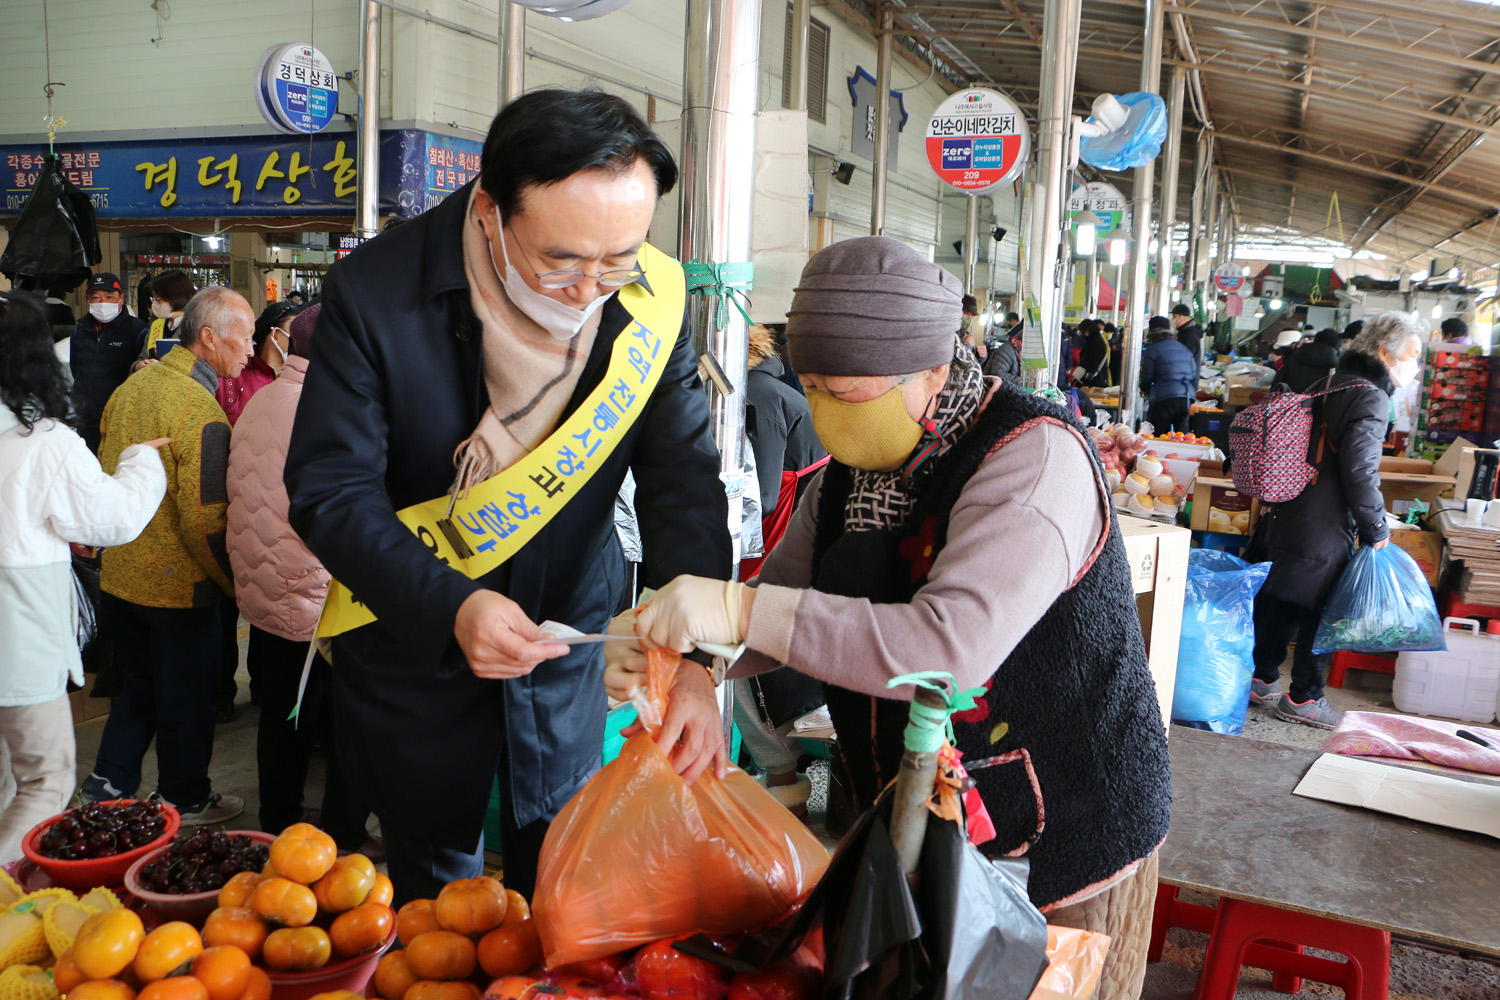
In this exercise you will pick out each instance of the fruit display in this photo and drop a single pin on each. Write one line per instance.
(102, 829)
(203, 862)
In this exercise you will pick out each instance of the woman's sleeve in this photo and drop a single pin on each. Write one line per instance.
(1359, 466)
(86, 506)
(789, 566)
(1024, 529)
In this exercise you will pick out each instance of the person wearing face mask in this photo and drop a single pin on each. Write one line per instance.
(1308, 540)
(272, 338)
(102, 349)
(170, 292)
(454, 354)
(962, 524)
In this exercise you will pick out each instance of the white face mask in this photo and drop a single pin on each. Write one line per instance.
(160, 309)
(1404, 372)
(104, 312)
(559, 319)
(275, 344)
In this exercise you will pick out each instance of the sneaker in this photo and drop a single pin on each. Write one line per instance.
(1261, 692)
(1313, 712)
(95, 789)
(217, 809)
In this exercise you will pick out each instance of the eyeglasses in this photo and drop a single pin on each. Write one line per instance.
(567, 279)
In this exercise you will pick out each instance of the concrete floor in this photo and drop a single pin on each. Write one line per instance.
(1416, 973)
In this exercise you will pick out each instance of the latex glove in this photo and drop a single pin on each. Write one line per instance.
(624, 662)
(497, 638)
(692, 734)
(692, 609)
(1079, 373)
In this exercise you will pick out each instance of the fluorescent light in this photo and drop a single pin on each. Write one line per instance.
(1117, 252)
(1437, 311)
(1275, 304)
(212, 241)
(276, 249)
(1085, 239)
(1245, 271)
(1419, 276)
(1452, 273)
(1155, 246)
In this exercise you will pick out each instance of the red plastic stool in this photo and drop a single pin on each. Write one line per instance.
(1365, 976)
(1172, 912)
(1380, 663)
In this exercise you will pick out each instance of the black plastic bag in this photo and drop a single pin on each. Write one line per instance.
(86, 601)
(54, 242)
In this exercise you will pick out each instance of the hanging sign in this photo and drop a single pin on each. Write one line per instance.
(1230, 278)
(1105, 201)
(296, 88)
(977, 140)
(862, 91)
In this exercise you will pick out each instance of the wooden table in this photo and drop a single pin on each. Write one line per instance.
(1239, 832)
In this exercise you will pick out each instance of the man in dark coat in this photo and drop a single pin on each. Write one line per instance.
(104, 345)
(454, 684)
(1094, 355)
(1169, 378)
(1189, 333)
(1004, 359)
(1309, 540)
(1311, 363)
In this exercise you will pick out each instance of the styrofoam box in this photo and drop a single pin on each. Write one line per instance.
(1188, 452)
(1462, 682)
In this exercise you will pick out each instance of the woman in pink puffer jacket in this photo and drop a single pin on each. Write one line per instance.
(280, 587)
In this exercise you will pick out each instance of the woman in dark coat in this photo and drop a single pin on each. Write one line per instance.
(1094, 357)
(1311, 363)
(1309, 540)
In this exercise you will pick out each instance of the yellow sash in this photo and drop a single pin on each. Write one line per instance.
(506, 511)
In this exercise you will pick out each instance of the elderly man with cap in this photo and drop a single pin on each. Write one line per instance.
(965, 523)
(104, 345)
(1169, 377)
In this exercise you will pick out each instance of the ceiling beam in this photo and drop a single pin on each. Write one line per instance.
(1384, 47)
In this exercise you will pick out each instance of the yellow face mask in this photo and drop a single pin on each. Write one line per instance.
(877, 435)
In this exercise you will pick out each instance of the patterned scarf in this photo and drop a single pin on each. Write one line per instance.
(881, 500)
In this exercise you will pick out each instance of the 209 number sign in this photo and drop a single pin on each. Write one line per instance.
(978, 140)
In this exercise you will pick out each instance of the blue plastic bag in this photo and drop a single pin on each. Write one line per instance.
(1382, 604)
(1214, 662)
(1133, 144)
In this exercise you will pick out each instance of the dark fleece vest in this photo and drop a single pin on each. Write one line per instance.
(1075, 694)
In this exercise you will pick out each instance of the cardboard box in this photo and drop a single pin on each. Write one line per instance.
(84, 707)
(1478, 474)
(1219, 507)
(1244, 395)
(1426, 547)
(1417, 466)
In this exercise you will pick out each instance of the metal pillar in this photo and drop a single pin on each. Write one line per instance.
(971, 244)
(1211, 224)
(512, 51)
(883, 57)
(1140, 259)
(1091, 297)
(367, 203)
(1054, 115)
(1114, 312)
(721, 73)
(796, 67)
(1195, 217)
(1172, 157)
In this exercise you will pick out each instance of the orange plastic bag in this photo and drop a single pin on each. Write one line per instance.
(639, 855)
(1075, 961)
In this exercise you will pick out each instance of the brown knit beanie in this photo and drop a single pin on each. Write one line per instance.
(873, 306)
(302, 329)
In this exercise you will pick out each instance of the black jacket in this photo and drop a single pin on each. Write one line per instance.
(1309, 539)
(1095, 361)
(1004, 362)
(778, 422)
(100, 356)
(396, 382)
(1190, 335)
(1308, 365)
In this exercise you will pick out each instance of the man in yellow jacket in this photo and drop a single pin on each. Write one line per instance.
(161, 592)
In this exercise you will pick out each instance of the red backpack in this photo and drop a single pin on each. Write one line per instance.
(1268, 444)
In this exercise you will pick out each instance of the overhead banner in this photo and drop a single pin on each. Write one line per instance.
(978, 140)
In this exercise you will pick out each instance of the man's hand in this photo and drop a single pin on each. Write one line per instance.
(692, 609)
(141, 364)
(1381, 544)
(497, 638)
(624, 662)
(692, 734)
(157, 442)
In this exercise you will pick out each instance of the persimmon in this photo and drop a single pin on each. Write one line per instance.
(174, 988)
(431, 989)
(337, 995)
(238, 890)
(364, 927)
(780, 982)
(347, 884)
(65, 974)
(297, 948)
(516, 908)
(166, 951)
(101, 989)
(442, 955)
(663, 973)
(416, 917)
(384, 892)
(303, 853)
(393, 976)
(224, 970)
(510, 951)
(107, 943)
(238, 926)
(510, 988)
(258, 986)
(471, 905)
(284, 902)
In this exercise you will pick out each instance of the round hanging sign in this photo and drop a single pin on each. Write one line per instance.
(1105, 201)
(296, 88)
(1230, 278)
(977, 140)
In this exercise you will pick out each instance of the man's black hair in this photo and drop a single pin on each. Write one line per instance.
(549, 135)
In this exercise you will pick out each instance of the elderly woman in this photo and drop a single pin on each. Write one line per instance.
(962, 525)
(1309, 540)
